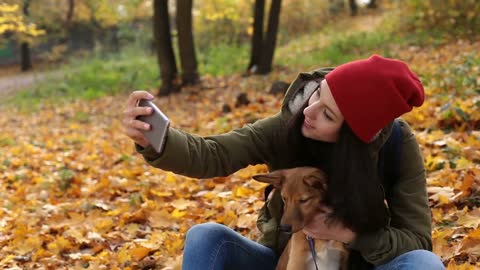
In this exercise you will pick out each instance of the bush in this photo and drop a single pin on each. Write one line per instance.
(441, 18)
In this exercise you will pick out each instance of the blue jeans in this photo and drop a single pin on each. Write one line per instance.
(213, 246)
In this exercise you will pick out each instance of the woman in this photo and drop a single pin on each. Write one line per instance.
(338, 120)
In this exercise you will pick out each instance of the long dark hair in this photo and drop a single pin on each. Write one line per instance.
(354, 191)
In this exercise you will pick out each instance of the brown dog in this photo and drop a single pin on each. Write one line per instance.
(303, 190)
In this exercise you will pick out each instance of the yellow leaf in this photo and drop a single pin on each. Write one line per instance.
(131, 228)
(104, 224)
(7, 259)
(178, 214)
(469, 221)
(41, 253)
(182, 204)
(465, 266)
(242, 192)
(59, 245)
(463, 163)
(443, 199)
(161, 193)
(123, 255)
(159, 219)
(170, 178)
(20, 231)
(115, 212)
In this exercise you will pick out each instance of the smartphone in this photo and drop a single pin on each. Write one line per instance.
(159, 124)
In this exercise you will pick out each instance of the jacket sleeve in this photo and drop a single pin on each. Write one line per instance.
(219, 155)
(410, 225)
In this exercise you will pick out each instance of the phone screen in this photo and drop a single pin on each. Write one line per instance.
(159, 124)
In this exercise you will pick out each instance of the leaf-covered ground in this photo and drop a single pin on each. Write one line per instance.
(75, 195)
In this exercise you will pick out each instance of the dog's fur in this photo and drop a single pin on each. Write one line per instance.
(303, 190)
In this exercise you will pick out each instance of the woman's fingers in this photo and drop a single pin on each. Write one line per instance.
(136, 124)
(137, 136)
(134, 127)
(135, 96)
(134, 112)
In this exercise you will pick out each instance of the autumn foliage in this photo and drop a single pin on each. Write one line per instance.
(76, 195)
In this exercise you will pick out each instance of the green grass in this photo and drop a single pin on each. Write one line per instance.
(339, 49)
(224, 59)
(128, 70)
(94, 77)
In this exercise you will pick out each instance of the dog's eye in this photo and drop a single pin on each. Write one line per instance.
(304, 200)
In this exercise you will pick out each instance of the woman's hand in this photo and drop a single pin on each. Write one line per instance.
(318, 229)
(134, 127)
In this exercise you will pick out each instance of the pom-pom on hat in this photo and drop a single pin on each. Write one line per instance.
(371, 93)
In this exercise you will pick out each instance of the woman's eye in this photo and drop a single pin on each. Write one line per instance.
(327, 115)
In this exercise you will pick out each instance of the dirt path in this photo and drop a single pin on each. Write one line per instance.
(10, 84)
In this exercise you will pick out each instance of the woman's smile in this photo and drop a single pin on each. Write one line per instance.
(307, 124)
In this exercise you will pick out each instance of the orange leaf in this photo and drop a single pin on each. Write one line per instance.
(139, 253)
(475, 234)
(467, 184)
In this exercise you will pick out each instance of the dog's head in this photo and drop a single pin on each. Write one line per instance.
(302, 189)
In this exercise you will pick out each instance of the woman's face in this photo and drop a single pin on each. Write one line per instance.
(323, 119)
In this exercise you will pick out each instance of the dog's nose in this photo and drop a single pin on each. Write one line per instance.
(285, 228)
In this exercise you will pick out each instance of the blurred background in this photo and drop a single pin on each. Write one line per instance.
(117, 45)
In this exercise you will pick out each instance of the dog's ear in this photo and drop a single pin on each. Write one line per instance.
(317, 180)
(275, 178)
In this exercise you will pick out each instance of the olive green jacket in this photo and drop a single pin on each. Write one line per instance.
(264, 143)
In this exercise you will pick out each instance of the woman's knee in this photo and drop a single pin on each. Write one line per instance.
(423, 259)
(211, 232)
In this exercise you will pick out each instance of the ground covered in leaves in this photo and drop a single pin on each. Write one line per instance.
(75, 195)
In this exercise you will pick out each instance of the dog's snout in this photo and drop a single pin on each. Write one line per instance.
(285, 228)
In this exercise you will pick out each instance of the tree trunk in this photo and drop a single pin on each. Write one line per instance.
(257, 37)
(271, 38)
(186, 45)
(68, 23)
(163, 44)
(353, 7)
(372, 4)
(26, 62)
(26, 57)
(71, 9)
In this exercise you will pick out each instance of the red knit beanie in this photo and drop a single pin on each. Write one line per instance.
(371, 93)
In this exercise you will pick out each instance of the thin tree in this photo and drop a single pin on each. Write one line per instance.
(353, 7)
(164, 49)
(263, 46)
(70, 11)
(271, 38)
(186, 45)
(257, 37)
(26, 58)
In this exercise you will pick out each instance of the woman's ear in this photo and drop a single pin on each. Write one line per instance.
(275, 178)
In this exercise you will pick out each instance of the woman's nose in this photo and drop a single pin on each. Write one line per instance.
(310, 111)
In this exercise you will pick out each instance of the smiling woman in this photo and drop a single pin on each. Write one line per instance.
(337, 120)
(323, 119)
